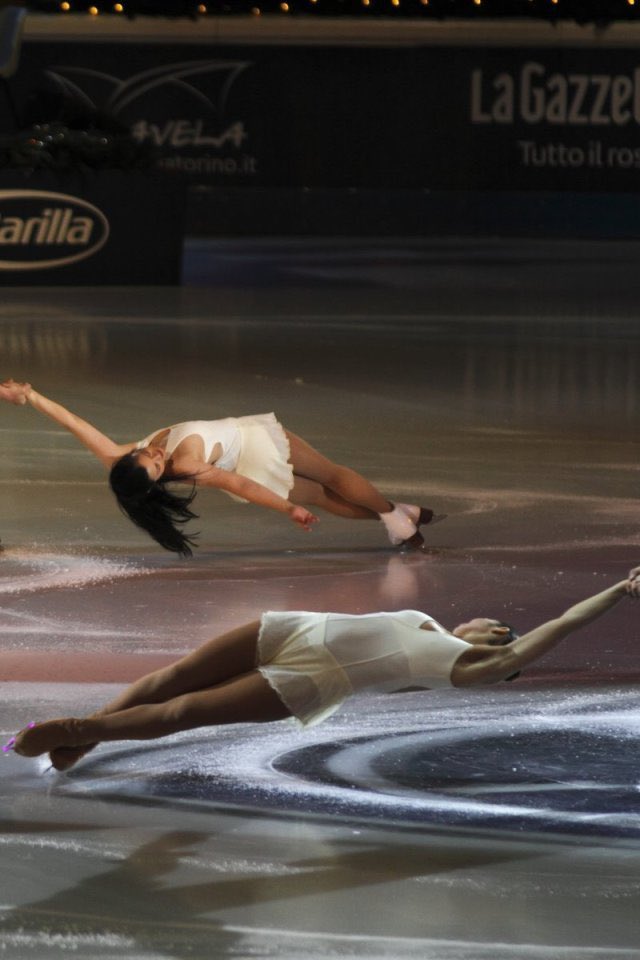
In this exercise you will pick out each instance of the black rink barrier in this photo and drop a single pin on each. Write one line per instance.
(99, 228)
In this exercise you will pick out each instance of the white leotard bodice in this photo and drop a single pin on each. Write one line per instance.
(314, 661)
(224, 432)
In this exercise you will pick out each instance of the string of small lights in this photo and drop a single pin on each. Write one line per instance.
(580, 11)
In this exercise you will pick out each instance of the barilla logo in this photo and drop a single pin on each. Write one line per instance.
(40, 229)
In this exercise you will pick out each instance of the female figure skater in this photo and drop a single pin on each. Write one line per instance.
(304, 665)
(253, 459)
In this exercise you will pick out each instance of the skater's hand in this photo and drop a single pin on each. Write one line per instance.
(633, 583)
(302, 517)
(14, 392)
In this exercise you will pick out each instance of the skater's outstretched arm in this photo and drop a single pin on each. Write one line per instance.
(105, 449)
(489, 664)
(208, 475)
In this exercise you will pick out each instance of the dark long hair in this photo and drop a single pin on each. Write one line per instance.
(151, 505)
(508, 637)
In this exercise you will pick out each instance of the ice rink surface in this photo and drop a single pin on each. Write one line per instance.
(496, 383)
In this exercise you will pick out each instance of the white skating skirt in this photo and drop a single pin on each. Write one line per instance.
(294, 661)
(264, 454)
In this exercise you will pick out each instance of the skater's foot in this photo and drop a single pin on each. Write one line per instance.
(48, 737)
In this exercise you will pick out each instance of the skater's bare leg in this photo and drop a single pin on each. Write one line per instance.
(245, 699)
(312, 493)
(351, 488)
(231, 654)
(347, 483)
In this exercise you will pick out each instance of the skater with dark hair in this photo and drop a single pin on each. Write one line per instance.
(253, 459)
(304, 665)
